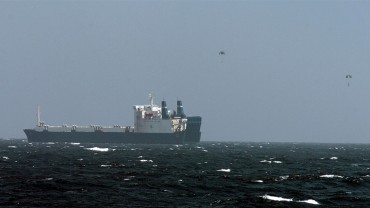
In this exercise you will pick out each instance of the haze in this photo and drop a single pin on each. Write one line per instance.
(282, 77)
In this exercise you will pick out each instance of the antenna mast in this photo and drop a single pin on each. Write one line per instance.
(151, 100)
(38, 116)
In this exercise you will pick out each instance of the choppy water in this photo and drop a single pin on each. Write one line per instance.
(202, 175)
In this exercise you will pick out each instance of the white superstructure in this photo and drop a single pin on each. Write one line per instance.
(151, 119)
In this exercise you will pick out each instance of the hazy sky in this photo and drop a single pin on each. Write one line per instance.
(282, 77)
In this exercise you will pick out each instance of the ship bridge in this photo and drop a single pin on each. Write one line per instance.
(152, 118)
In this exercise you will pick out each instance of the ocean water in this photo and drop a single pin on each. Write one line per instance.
(208, 174)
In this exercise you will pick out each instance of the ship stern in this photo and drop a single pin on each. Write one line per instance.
(193, 129)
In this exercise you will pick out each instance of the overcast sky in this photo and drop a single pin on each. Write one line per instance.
(282, 78)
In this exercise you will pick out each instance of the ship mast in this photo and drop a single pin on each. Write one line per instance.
(38, 116)
(151, 100)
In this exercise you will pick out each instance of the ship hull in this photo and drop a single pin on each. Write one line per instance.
(190, 135)
(109, 137)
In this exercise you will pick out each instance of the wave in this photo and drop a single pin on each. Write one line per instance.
(224, 170)
(281, 199)
(98, 149)
(146, 161)
(331, 176)
(276, 198)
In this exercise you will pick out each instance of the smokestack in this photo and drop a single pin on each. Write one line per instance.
(164, 110)
(180, 110)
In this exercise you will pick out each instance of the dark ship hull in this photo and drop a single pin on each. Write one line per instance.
(190, 135)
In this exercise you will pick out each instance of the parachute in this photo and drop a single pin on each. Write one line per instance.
(348, 77)
(222, 53)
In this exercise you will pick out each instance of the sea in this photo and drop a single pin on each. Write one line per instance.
(207, 174)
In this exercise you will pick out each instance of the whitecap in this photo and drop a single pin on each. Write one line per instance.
(50, 143)
(5, 158)
(277, 161)
(12, 146)
(276, 198)
(129, 178)
(80, 159)
(166, 190)
(140, 156)
(265, 161)
(98, 149)
(205, 150)
(224, 170)
(72, 143)
(105, 166)
(334, 158)
(284, 177)
(310, 201)
(257, 181)
(331, 176)
(146, 160)
(48, 179)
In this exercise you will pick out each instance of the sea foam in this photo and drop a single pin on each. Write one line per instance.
(257, 181)
(310, 201)
(98, 149)
(278, 198)
(224, 170)
(146, 161)
(331, 176)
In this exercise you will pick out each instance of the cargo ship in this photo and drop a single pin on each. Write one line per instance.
(153, 124)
